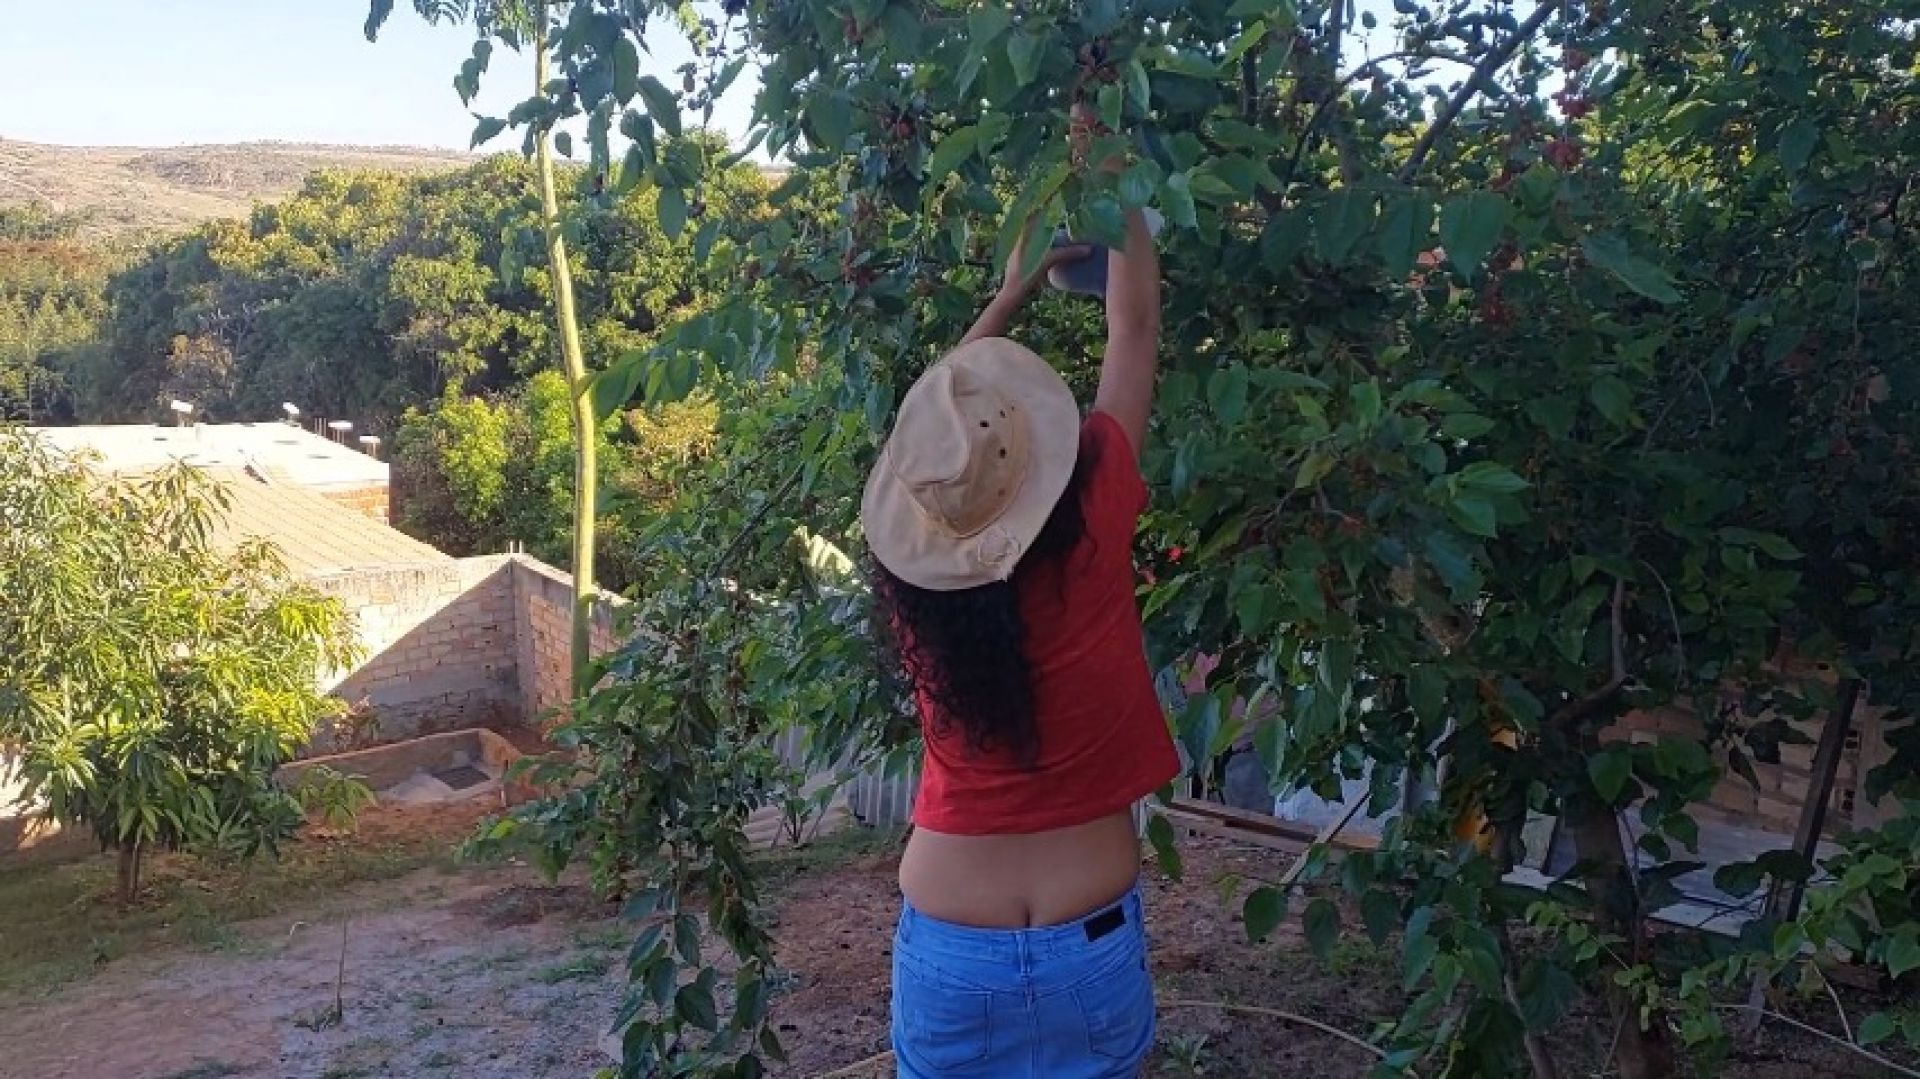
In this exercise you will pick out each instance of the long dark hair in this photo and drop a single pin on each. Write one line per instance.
(966, 650)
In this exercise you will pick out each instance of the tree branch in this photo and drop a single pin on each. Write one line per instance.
(1808, 1028)
(1493, 61)
(1286, 1016)
(1592, 703)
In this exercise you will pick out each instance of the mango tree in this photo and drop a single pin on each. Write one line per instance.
(1531, 367)
(152, 680)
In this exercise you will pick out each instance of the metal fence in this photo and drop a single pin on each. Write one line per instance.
(874, 797)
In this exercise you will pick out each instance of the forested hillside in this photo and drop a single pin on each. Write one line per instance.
(415, 305)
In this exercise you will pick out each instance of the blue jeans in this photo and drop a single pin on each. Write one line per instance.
(1065, 1002)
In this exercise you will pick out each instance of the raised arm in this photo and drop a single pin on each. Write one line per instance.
(1133, 332)
(1014, 290)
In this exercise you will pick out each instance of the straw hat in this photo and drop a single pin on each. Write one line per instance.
(982, 449)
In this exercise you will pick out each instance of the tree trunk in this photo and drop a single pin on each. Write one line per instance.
(1641, 1052)
(131, 857)
(574, 366)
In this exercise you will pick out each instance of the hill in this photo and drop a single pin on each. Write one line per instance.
(135, 188)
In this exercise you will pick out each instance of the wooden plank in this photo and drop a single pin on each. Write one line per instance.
(1206, 826)
(1242, 821)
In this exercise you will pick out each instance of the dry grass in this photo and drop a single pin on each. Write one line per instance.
(60, 922)
(127, 189)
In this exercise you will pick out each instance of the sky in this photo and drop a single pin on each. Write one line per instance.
(171, 72)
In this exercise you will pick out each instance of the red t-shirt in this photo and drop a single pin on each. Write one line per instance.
(1104, 742)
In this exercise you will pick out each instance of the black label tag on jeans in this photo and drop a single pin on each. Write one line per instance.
(1105, 922)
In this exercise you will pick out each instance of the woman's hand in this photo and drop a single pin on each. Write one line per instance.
(1013, 283)
(1015, 288)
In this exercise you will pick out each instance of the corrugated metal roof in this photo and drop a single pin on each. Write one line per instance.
(314, 535)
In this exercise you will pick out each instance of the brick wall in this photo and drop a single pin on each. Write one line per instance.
(543, 605)
(1783, 788)
(438, 646)
(367, 501)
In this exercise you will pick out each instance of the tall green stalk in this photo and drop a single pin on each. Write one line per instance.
(573, 364)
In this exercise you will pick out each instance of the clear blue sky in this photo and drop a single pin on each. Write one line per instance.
(166, 72)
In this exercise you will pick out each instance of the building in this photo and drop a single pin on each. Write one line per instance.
(281, 454)
(446, 642)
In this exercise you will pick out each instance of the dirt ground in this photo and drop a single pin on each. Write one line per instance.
(488, 972)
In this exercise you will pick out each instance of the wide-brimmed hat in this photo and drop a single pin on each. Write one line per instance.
(983, 447)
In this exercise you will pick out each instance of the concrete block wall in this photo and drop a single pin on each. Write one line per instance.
(543, 615)
(1783, 788)
(438, 645)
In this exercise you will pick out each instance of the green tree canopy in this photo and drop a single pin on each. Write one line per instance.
(152, 680)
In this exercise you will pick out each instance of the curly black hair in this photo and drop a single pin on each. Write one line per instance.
(965, 651)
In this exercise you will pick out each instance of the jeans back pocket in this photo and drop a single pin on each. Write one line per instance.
(1118, 1012)
(939, 1028)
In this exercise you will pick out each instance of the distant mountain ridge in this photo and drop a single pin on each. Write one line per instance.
(128, 189)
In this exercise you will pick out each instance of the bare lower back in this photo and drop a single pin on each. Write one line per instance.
(1020, 881)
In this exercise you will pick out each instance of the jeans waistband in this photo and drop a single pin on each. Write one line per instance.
(1014, 946)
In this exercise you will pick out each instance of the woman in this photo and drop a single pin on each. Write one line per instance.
(1003, 526)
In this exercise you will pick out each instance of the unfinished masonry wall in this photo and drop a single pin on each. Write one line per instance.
(438, 645)
(1783, 787)
(543, 617)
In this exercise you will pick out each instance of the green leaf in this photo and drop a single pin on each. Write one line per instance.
(661, 978)
(672, 210)
(1465, 426)
(1282, 239)
(611, 389)
(1546, 991)
(1427, 692)
(1321, 922)
(1474, 514)
(1610, 254)
(563, 143)
(377, 14)
(949, 153)
(1227, 393)
(694, 1003)
(1264, 909)
(1797, 140)
(1470, 226)
(1138, 87)
(1339, 225)
(1903, 951)
(686, 939)
(662, 106)
(1877, 1027)
(672, 377)
(1614, 400)
(770, 1045)
(1025, 50)
(1609, 770)
(832, 119)
(1380, 910)
(1489, 476)
(485, 129)
(640, 129)
(626, 70)
(1138, 184)
(1405, 230)
(1160, 837)
(1176, 198)
(1318, 463)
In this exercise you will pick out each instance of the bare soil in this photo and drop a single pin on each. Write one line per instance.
(490, 972)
